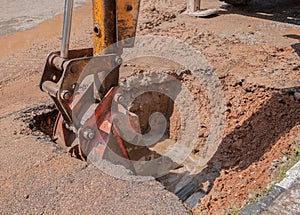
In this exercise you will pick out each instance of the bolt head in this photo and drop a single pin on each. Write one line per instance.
(128, 40)
(66, 95)
(120, 98)
(118, 60)
(89, 134)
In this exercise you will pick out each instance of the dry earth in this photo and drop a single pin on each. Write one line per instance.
(255, 50)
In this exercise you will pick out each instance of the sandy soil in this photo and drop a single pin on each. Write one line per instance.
(255, 50)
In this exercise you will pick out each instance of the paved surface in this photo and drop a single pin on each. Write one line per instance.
(287, 203)
(35, 178)
(19, 15)
(284, 198)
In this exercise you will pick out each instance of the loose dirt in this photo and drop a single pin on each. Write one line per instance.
(255, 51)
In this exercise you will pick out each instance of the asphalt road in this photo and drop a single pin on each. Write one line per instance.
(19, 15)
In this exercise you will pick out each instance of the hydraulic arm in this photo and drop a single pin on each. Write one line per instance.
(84, 83)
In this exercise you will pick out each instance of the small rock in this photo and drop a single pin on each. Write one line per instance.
(246, 181)
(297, 96)
(206, 187)
(285, 159)
(26, 196)
(296, 68)
(153, 8)
(281, 101)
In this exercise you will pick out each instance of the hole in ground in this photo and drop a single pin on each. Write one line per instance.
(39, 121)
(260, 127)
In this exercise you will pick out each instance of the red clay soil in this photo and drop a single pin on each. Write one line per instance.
(259, 71)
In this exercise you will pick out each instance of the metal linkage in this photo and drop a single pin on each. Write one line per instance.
(75, 130)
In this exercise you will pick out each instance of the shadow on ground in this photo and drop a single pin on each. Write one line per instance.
(249, 142)
(295, 46)
(245, 145)
(286, 11)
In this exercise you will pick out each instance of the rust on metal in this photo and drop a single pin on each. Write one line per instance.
(50, 87)
(105, 18)
(77, 130)
(127, 17)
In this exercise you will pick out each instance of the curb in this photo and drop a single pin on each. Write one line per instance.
(292, 176)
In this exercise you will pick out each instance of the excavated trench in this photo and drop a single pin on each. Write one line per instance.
(39, 121)
(250, 143)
